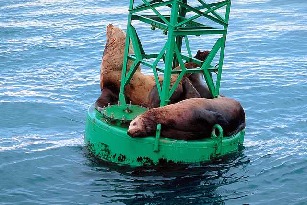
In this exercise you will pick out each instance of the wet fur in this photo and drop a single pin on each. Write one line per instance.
(197, 79)
(191, 119)
(138, 89)
(184, 90)
(107, 96)
(113, 54)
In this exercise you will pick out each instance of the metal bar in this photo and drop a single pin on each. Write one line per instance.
(132, 70)
(205, 13)
(206, 65)
(132, 57)
(213, 12)
(137, 46)
(169, 54)
(155, 69)
(181, 74)
(175, 85)
(195, 70)
(197, 32)
(187, 20)
(179, 58)
(187, 44)
(156, 12)
(215, 6)
(182, 14)
(144, 7)
(222, 52)
(164, 97)
(227, 12)
(122, 98)
(148, 19)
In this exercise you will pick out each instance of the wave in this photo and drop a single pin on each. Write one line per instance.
(36, 143)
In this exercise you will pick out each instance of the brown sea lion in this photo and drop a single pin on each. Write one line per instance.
(190, 119)
(202, 55)
(107, 96)
(113, 54)
(200, 85)
(197, 79)
(185, 90)
(140, 85)
(193, 85)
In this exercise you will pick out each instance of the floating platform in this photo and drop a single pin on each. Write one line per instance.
(108, 140)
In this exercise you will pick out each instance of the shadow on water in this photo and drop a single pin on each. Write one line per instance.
(204, 183)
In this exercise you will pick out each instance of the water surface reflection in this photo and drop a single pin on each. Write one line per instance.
(174, 184)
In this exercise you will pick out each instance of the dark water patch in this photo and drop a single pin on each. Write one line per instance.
(174, 184)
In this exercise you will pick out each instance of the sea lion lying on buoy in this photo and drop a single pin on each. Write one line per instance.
(190, 119)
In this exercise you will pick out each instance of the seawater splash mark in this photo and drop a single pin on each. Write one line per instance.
(36, 143)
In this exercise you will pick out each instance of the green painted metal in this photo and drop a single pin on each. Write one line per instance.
(177, 27)
(121, 114)
(106, 129)
(111, 143)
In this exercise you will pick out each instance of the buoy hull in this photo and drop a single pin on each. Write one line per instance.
(110, 142)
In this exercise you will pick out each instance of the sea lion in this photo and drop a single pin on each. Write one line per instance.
(185, 90)
(107, 96)
(202, 55)
(140, 85)
(197, 79)
(113, 54)
(193, 84)
(199, 84)
(190, 119)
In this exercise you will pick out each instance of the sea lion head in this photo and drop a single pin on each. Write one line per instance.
(202, 55)
(141, 127)
(137, 128)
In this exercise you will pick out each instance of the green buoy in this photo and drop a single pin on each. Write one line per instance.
(106, 128)
(109, 141)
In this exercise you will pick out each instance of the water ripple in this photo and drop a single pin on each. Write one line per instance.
(50, 55)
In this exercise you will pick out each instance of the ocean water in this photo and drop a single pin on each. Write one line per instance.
(50, 55)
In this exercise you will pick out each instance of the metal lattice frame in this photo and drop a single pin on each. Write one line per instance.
(177, 27)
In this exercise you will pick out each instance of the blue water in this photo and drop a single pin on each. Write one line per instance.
(50, 55)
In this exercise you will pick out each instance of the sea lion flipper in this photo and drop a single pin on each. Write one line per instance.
(153, 97)
(106, 97)
(182, 135)
(210, 118)
(189, 90)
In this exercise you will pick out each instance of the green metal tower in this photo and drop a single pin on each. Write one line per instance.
(184, 19)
